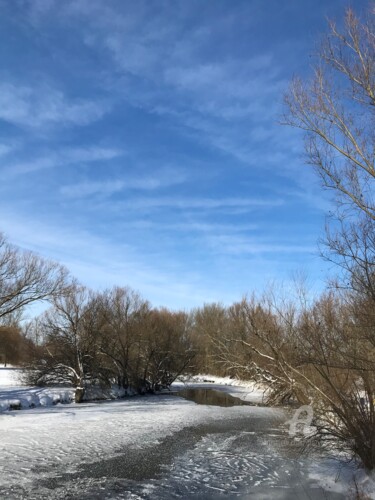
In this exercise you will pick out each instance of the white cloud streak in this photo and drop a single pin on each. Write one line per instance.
(161, 179)
(36, 107)
(100, 263)
(202, 203)
(68, 156)
(242, 246)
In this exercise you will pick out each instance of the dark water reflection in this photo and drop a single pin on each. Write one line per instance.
(212, 397)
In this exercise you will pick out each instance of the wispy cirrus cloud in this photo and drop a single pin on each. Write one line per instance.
(41, 105)
(61, 157)
(223, 104)
(190, 226)
(191, 203)
(85, 189)
(101, 262)
(5, 149)
(108, 94)
(240, 245)
(227, 90)
(156, 69)
(228, 102)
(162, 178)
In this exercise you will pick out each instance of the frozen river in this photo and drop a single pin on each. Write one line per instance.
(157, 447)
(236, 457)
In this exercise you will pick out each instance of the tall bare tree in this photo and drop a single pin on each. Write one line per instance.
(336, 111)
(210, 325)
(323, 354)
(124, 314)
(168, 350)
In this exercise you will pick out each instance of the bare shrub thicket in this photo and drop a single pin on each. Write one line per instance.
(114, 337)
(323, 353)
(15, 348)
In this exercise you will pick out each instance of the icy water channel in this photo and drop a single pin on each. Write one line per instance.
(212, 397)
(240, 453)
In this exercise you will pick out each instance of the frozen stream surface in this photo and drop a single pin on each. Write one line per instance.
(157, 447)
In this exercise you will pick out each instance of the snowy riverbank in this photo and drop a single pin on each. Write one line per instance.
(158, 447)
(14, 396)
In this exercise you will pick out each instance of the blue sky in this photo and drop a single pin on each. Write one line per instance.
(140, 144)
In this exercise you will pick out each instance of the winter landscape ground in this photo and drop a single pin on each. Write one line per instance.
(159, 446)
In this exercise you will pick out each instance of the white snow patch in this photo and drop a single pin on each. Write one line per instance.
(344, 478)
(9, 376)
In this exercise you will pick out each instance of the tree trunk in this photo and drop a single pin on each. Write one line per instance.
(79, 393)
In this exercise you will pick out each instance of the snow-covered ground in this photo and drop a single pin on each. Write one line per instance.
(9, 376)
(64, 436)
(96, 450)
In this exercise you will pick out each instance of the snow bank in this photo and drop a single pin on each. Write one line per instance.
(9, 376)
(17, 398)
(14, 396)
(345, 478)
(24, 398)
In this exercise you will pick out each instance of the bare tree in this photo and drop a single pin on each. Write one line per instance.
(168, 350)
(26, 278)
(336, 111)
(69, 353)
(210, 325)
(123, 314)
(262, 344)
